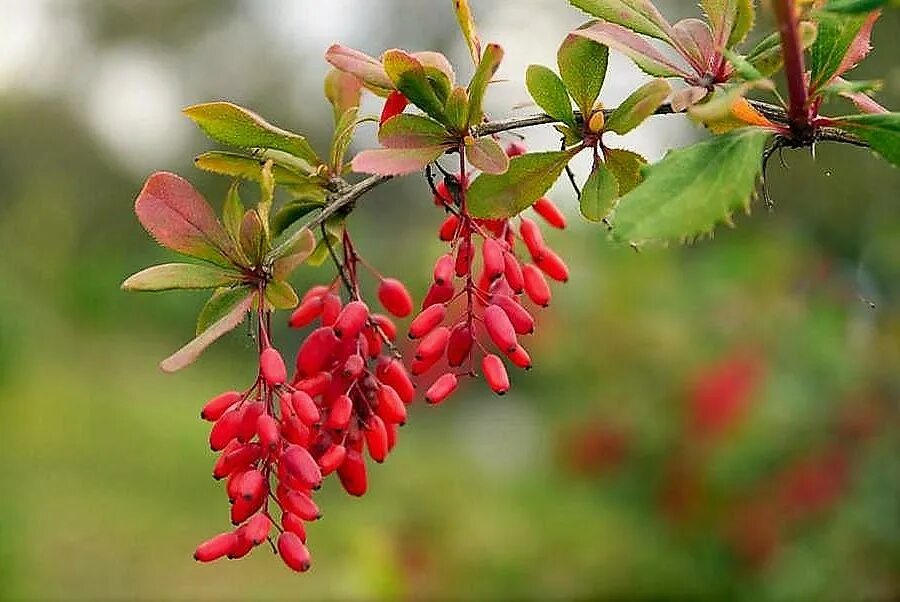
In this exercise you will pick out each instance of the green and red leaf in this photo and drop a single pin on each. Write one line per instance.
(639, 50)
(367, 69)
(173, 276)
(488, 156)
(395, 161)
(582, 67)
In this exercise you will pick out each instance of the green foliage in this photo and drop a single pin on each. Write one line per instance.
(626, 166)
(171, 276)
(408, 75)
(281, 295)
(412, 131)
(836, 36)
(639, 16)
(582, 66)
(487, 67)
(220, 304)
(599, 193)
(527, 179)
(488, 156)
(549, 92)
(467, 26)
(766, 57)
(642, 103)
(854, 7)
(692, 189)
(880, 130)
(236, 126)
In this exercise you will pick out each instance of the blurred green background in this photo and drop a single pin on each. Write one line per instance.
(714, 421)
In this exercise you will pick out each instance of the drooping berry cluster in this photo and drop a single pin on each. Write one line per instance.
(349, 392)
(491, 309)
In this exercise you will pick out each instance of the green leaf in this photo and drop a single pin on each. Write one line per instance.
(743, 22)
(438, 71)
(766, 55)
(290, 212)
(487, 67)
(529, 176)
(640, 16)
(340, 140)
(692, 189)
(246, 168)
(743, 67)
(236, 126)
(233, 211)
(834, 40)
(281, 295)
(880, 130)
(852, 7)
(253, 237)
(409, 77)
(642, 103)
(395, 161)
(411, 131)
(488, 156)
(266, 196)
(626, 166)
(582, 66)
(190, 352)
(221, 303)
(457, 109)
(333, 231)
(599, 193)
(289, 256)
(172, 276)
(638, 49)
(179, 218)
(343, 91)
(549, 92)
(467, 26)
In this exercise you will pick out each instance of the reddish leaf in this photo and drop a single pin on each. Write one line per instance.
(860, 47)
(179, 218)
(190, 352)
(369, 70)
(638, 49)
(395, 161)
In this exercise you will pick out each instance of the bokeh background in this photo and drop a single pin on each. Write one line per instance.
(712, 421)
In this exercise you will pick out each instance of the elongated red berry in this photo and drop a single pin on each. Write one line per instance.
(236, 458)
(351, 320)
(225, 429)
(339, 415)
(548, 210)
(492, 256)
(448, 228)
(393, 106)
(520, 358)
(352, 474)
(427, 320)
(215, 548)
(316, 351)
(464, 254)
(438, 293)
(376, 438)
(293, 552)
(249, 415)
(242, 545)
(243, 508)
(218, 405)
(442, 388)
(306, 312)
(305, 408)
(552, 264)
(257, 528)
(536, 286)
(499, 328)
(332, 458)
(272, 366)
(299, 463)
(297, 502)
(294, 431)
(320, 290)
(353, 367)
(393, 373)
(513, 272)
(390, 406)
(315, 384)
(495, 373)
(518, 315)
(433, 344)
(269, 432)
(395, 298)
(252, 484)
(443, 269)
(291, 522)
(387, 326)
(331, 309)
(459, 344)
(531, 236)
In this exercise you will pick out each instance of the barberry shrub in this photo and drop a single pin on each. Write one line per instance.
(349, 388)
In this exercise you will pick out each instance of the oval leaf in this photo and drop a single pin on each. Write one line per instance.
(527, 179)
(236, 126)
(411, 131)
(487, 66)
(599, 194)
(692, 189)
(582, 66)
(640, 16)
(467, 26)
(293, 253)
(488, 156)
(880, 130)
(408, 76)
(639, 50)
(642, 103)
(171, 276)
(395, 161)
(359, 64)
(626, 166)
(549, 92)
(179, 218)
(281, 295)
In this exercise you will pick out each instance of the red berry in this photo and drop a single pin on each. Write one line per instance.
(249, 415)
(464, 254)
(269, 432)
(513, 272)
(305, 408)
(351, 320)
(332, 458)
(331, 308)
(518, 315)
(492, 256)
(531, 236)
(395, 298)
(536, 285)
(243, 508)
(390, 406)
(387, 326)
(443, 270)
(242, 545)
(438, 293)
(442, 388)
(548, 210)
(225, 429)
(352, 473)
(353, 367)
(297, 502)
(433, 344)
(459, 344)
(552, 264)
(306, 312)
(218, 405)
(293, 552)
(339, 416)
(292, 523)
(252, 485)
(376, 438)
(257, 528)
(499, 328)
(320, 290)
(448, 228)
(272, 366)
(215, 548)
(297, 461)
(393, 373)
(520, 358)
(427, 320)
(495, 373)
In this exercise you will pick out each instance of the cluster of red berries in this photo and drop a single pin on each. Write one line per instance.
(492, 309)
